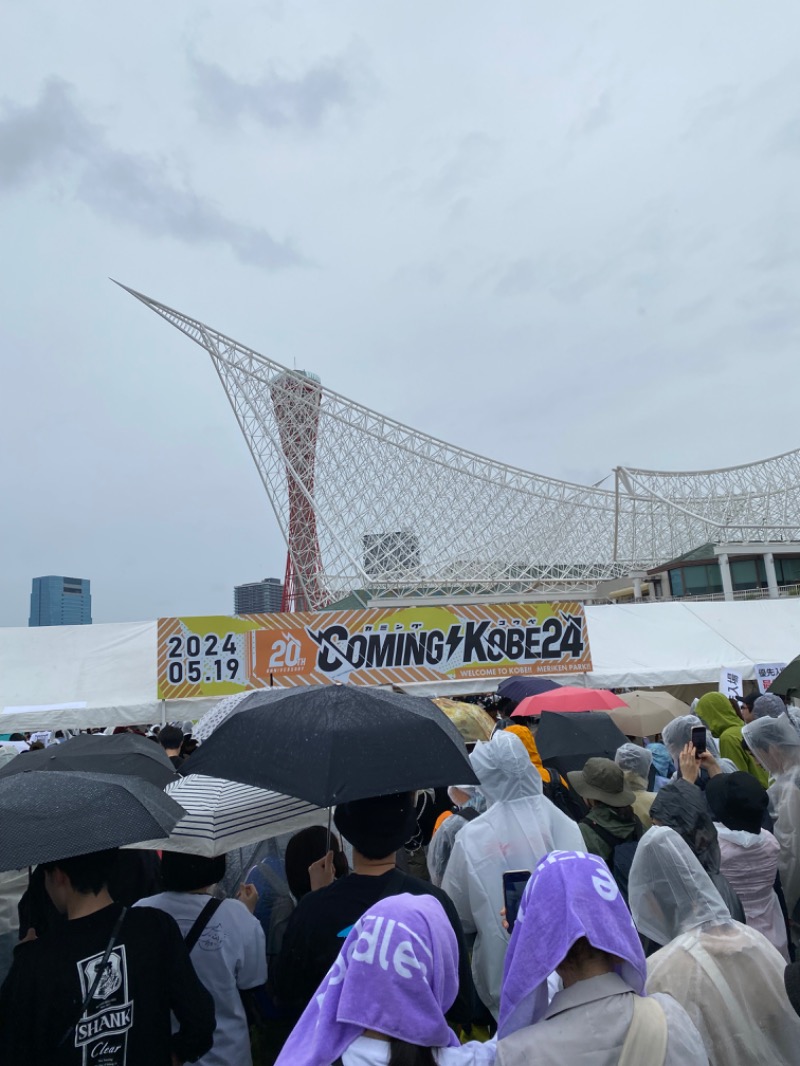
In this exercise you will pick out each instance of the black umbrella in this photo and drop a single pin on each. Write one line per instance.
(125, 753)
(518, 688)
(566, 741)
(49, 816)
(788, 680)
(333, 743)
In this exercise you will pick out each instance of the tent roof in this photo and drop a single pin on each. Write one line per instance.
(78, 676)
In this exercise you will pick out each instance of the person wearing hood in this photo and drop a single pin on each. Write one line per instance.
(718, 715)
(682, 807)
(386, 997)
(529, 740)
(776, 744)
(519, 827)
(602, 1016)
(749, 854)
(678, 733)
(728, 977)
(468, 804)
(635, 763)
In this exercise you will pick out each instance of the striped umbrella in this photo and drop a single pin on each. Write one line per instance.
(224, 815)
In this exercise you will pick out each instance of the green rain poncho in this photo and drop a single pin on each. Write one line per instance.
(716, 711)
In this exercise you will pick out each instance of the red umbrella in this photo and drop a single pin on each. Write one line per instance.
(566, 699)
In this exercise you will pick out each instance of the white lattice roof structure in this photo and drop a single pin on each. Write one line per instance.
(365, 502)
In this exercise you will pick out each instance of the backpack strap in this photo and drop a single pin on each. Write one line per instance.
(646, 1040)
(200, 922)
(604, 834)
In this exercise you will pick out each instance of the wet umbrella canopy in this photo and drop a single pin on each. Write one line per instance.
(53, 815)
(518, 688)
(566, 741)
(335, 743)
(125, 753)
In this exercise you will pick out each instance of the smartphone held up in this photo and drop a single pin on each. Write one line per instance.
(514, 882)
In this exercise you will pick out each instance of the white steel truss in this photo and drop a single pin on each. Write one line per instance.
(365, 502)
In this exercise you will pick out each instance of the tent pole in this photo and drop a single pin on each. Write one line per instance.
(163, 713)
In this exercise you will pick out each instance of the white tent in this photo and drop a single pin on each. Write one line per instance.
(73, 677)
(78, 676)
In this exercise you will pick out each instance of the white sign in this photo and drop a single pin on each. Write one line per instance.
(766, 674)
(730, 683)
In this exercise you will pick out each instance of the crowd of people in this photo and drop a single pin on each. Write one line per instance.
(658, 924)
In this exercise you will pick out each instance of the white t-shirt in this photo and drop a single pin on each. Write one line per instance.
(366, 1051)
(230, 954)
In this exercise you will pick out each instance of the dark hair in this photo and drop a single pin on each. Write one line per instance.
(189, 746)
(185, 873)
(306, 847)
(401, 1053)
(170, 737)
(582, 951)
(750, 699)
(378, 826)
(17, 736)
(88, 874)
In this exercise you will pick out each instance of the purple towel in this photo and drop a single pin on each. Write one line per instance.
(397, 973)
(569, 895)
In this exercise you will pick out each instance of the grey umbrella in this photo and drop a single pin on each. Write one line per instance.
(125, 753)
(55, 815)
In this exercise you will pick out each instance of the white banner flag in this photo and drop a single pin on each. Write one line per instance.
(730, 683)
(766, 674)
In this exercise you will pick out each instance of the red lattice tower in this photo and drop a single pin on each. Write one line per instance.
(296, 402)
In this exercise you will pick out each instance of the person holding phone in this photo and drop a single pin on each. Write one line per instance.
(518, 828)
(602, 1015)
(718, 714)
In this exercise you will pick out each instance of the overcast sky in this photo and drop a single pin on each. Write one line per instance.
(565, 236)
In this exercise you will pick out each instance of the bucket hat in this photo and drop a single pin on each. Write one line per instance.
(603, 780)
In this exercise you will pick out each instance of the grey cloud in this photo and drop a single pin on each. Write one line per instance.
(134, 189)
(274, 101)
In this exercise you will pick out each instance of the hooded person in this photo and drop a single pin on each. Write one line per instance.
(387, 994)
(776, 744)
(662, 763)
(529, 740)
(519, 827)
(678, 733)
(590, 941)
(682, 807)
(718, 715)
(635, 763)
(376, 828)
(749, 854)
(469, 804)
(770, 705)
(728, 977)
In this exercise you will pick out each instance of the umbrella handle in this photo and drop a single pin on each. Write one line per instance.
(328, 844)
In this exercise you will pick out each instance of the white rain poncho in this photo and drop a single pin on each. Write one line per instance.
(441, 845)
(728, 977)
(520, 826)
(678, 733)
(776, 744)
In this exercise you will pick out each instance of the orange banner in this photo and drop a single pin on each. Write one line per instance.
(219, 655)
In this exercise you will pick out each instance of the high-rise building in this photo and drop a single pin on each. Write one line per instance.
(261, 597)
(60, 601)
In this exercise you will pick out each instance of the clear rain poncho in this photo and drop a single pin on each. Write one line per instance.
(441, 845)
(776, 744)
(683, 807)
(520, 826)
(728, 977)
(678, 733)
